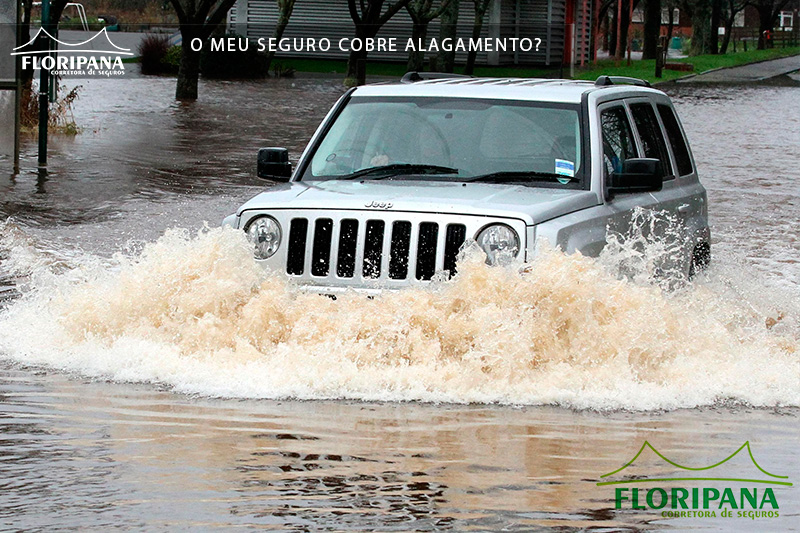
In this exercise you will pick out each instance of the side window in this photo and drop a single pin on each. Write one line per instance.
(644, 117)
(618, 142)
(676, 140)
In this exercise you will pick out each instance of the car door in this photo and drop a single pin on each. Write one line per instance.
(686, 190)
(619, 142)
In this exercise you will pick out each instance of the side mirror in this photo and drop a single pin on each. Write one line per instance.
(638, 175)
(273, 164)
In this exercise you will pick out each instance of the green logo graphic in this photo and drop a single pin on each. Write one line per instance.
(695, 469)
(699, 502)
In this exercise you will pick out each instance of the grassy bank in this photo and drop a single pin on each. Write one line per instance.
(646, 69)
(637, 69)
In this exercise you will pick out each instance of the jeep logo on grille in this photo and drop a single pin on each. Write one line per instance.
(379, 205)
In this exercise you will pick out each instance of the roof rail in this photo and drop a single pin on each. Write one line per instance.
(413, 76)
(603, 81)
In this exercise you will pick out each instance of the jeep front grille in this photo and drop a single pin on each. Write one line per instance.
(373, 248)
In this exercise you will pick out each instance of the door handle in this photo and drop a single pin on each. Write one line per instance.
(684, 209)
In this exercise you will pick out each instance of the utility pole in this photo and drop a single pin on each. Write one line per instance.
(44, 82)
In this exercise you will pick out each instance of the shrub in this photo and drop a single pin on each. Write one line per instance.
(61, 118)
(152, 52)
(279, 70)
(172, 61)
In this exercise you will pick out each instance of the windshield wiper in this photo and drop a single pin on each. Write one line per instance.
(399, 168)
(521, 175)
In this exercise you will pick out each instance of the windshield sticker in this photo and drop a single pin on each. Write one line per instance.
(565, 168)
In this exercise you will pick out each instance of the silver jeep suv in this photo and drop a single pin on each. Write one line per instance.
(399, 176)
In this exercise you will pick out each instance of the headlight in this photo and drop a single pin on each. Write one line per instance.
(265, 234)
(500, 242)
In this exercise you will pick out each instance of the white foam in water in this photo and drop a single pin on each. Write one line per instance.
(195, 312)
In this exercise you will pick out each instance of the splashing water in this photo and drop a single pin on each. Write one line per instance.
(194, 312)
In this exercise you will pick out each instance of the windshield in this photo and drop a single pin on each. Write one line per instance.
(456, 139)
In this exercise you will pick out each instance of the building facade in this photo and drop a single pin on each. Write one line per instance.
(563, 28)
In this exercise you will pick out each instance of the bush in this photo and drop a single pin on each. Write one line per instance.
(240, 64)
(280, 70)
(61, 118)
(152, 51)
(172, 61)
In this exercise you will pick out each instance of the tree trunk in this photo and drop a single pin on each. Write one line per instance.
(477, 26)
(356, 68)
(283, 20)
(766, 21)
(716, 13)
(188, 71)
(416, 58)
(670, 26)
(446, 60)
(623, 29)
(726, 39)
(701, 28)
(612, 41)
(763, 28)
(652, 28)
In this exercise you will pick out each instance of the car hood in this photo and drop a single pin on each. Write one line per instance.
(531, 204)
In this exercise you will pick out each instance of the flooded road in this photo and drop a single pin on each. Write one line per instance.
(158, 389)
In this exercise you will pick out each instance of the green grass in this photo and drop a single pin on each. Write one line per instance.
(645, 69)
(638, 69)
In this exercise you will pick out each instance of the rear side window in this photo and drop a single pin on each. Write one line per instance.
(618, 142)
(676, 140)
(644, 117)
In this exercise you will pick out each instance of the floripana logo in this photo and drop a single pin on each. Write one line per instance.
(696, 492)
(87, 58)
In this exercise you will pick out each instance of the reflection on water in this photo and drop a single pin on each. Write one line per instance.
(90, 454)
(100, 455)
(138, 142)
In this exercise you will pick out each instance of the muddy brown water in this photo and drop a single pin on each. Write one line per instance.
(155, 421)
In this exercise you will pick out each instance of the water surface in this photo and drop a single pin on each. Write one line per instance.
(161, 390)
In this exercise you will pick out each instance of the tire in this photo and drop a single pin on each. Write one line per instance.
(701, 258)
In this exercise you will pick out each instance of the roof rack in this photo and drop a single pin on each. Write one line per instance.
(413, 76)
(603, 81)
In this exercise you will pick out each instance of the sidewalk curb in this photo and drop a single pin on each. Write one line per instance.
(677, 80)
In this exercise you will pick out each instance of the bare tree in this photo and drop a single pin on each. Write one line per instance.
(621, 26)
(285, 8)
(768, 13)
(603, 16)
(422, 12)
(672, 5)
(733, 8)
(198, 19)
(477, 25)
(716, 15)
(652, 28)
(369, 17)
(701, 26)
(446, 60)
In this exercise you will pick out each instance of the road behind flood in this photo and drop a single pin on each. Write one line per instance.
(151, 381)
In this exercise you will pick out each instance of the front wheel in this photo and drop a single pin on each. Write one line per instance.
(701, 258)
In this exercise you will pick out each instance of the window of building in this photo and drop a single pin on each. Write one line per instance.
(786, 20)
(676, 15)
